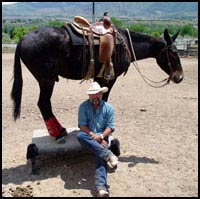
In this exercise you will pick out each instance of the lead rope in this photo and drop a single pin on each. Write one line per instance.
(164, 81)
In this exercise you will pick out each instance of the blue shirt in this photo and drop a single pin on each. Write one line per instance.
(97, 121)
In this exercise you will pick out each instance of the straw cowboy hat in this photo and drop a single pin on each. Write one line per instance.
(95, 88)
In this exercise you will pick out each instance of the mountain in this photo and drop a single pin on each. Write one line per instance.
(142, 10)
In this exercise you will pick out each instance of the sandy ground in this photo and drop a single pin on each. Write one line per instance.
(157, 129)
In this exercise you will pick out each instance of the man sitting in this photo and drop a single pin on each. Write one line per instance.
(96, 123)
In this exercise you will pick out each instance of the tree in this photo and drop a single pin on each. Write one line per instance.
(186, 30)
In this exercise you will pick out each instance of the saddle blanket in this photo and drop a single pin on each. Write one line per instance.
(78, 39)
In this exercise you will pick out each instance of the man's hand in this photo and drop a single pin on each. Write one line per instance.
(104, 143)
(96, 137)
(100, 141)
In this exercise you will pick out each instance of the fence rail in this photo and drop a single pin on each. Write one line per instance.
(188, 51)
(183, 49)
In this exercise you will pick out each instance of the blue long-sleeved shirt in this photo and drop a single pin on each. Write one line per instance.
(97, 121)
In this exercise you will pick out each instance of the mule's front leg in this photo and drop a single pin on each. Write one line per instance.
(54, 127)
(62, 130)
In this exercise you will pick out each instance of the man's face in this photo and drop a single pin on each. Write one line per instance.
(96, 98)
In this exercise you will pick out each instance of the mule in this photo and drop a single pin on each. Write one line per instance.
(48, 53)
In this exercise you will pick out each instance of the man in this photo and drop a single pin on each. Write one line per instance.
(96, 123)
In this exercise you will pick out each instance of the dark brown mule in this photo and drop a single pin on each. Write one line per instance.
(49, 53)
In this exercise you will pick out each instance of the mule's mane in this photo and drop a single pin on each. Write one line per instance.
(140, 37)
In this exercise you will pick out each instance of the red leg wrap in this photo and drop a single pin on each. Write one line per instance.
(57, 123)
(52, 129)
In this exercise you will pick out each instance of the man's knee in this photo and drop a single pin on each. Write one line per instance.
(81, 135)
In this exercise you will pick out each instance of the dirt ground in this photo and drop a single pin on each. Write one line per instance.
(157, 129)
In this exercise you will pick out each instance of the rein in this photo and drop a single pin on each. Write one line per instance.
(148, 81)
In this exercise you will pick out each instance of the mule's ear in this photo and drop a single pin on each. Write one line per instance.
(175, 35)
(167, 37)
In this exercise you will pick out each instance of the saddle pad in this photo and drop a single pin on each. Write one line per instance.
(77, 38)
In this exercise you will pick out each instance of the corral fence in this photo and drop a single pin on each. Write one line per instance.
(8, 48)
(185, 47)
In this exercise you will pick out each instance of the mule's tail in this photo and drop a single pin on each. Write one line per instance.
(16, 93)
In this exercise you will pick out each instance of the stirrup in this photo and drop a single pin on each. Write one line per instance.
(100, 74)
(109, 75)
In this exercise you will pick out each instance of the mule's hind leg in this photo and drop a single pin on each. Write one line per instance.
(54, 127)
(102, 82)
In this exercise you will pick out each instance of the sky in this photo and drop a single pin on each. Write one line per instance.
(4, 3)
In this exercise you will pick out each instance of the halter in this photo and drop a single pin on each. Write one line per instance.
(146, 79)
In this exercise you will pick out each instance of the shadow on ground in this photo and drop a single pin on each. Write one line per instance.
(65, 166)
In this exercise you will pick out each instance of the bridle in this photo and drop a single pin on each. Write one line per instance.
(150, 82)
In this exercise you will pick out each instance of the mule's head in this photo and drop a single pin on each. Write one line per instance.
(168, 59)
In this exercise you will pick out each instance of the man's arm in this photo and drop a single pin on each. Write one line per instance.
(90, 133)
(86, 130)
(107, 132)
(98, 138)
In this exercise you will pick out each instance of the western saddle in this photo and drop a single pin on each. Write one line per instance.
(105, 33)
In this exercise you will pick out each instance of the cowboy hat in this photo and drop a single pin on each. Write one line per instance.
(95, 88)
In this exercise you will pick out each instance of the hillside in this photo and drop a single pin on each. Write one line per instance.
(143, 10)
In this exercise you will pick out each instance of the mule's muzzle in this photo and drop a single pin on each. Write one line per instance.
(177, 77)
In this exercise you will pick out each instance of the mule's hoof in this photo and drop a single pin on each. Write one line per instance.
(63, 132)
(60, 139)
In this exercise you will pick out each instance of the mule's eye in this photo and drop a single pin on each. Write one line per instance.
(173, 49)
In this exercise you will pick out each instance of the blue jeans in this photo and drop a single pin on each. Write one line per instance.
(102, 154)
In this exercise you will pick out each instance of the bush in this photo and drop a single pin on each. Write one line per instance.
(118, 23)
(155, 34)
(6, 38)
(18, 32)
(56, 23)
(139, 28)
